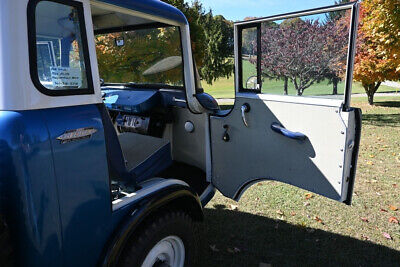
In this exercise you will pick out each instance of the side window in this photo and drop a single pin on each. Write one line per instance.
(303, 56)
(59, 59)
(249, 50)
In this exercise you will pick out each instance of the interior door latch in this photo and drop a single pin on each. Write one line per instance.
(245, 108)
(226, 136)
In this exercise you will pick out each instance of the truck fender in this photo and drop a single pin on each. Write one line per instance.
(177, 195)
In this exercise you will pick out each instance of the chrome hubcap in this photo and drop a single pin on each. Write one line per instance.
(170, 252)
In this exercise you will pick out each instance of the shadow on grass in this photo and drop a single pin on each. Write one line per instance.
(266, 240)
(386, 120)
(391, 104)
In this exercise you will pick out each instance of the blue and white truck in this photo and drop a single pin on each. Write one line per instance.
(115, 170)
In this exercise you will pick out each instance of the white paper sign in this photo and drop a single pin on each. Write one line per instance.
(119, 41)
(66, 77)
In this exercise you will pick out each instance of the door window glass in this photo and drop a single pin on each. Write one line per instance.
(304, 56)
(60, 52)
(249, 59)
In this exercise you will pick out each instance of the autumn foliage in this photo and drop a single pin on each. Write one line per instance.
(378, 49)
(141, 50)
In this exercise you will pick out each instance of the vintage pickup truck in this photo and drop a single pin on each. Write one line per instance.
(112, 166)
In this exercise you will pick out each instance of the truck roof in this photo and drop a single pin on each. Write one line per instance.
(151, 7)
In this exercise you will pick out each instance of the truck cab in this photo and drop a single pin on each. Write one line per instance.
(110, 148)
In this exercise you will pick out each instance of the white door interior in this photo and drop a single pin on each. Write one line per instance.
(310, 139)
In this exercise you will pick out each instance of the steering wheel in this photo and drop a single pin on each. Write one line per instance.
(251, 83)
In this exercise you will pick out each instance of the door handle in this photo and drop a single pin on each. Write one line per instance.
(178, 100)
(276, 127)
(245, 108)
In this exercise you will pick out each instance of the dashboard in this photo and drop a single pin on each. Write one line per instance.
(139, 101)
(144, 111)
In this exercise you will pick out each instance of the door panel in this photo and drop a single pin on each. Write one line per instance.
(320, 163)
(308, 142)
(82, 181)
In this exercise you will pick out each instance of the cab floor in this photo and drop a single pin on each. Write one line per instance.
(191, 175)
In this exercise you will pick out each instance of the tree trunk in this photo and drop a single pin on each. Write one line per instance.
(371, 89)
(335, 83)
(285, 86)
(370, 98)
(296, 86)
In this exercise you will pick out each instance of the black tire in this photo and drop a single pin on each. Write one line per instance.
(176, 223)
(6, 248)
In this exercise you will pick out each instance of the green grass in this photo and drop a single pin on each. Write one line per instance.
(224, 88)
(346, 236)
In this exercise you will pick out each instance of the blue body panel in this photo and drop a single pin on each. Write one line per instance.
(83, 184)
(56, 196)
(151, 7)
(29, 188)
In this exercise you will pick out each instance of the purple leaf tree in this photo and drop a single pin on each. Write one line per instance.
(302, 51)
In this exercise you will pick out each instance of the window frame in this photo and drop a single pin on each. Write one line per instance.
(256, 23)
(154, 25)
(240, 28)
(32, 39)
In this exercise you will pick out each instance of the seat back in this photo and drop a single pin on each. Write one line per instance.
(116, 162)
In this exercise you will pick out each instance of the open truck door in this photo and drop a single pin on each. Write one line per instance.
(309, 139)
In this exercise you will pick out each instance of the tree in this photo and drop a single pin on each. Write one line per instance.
(123, 64)
(217, 55)
(335, 75)
(212, 40)
(336, 15)
(249, 37)
(378, 49)
(302, 51)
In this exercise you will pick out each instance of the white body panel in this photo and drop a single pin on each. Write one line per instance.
(17, 91)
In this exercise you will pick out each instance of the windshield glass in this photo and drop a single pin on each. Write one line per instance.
(143, 57)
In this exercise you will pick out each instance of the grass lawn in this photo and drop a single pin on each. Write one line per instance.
(224, 88)
(275, 224)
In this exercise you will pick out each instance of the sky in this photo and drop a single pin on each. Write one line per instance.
(239, 9)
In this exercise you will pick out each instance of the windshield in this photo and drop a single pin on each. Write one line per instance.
(141, 57)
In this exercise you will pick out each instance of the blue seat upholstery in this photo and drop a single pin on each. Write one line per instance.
(153, 165)
(145, 156)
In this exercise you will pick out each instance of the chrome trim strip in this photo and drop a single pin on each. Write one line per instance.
(76, 134)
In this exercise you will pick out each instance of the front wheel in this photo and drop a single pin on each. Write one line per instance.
(167, 240)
